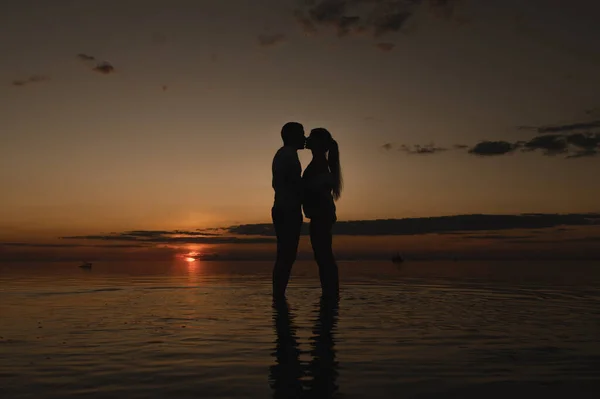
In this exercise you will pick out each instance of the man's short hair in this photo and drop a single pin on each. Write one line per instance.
(289, 130)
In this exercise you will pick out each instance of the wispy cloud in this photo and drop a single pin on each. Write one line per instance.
(103, 67)
(86, 57)
(569, 127)
(171, 237)
(416, 149)
(29, 80)
(583, 154)
(271, 40)
(385, 47)
(426, 149)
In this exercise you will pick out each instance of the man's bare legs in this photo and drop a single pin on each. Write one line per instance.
(287, 229)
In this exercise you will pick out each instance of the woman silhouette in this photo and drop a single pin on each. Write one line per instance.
(322, 181)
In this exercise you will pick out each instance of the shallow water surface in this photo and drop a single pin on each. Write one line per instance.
(209, 329)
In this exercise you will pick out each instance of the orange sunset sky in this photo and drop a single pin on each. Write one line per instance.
(122, 121)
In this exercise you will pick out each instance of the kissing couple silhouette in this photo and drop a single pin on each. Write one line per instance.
(315, 191)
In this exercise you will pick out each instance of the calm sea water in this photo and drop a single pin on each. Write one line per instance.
(209, 330)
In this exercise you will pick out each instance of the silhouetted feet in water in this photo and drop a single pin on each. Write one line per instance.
(325, 296)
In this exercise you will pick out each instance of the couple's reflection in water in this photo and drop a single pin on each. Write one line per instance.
(289, 376)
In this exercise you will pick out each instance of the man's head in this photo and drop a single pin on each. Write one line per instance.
(292, 134)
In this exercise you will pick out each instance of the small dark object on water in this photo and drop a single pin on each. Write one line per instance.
(86, 265)
(397, 258)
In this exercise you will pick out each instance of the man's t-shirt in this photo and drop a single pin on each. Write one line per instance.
(287, 180)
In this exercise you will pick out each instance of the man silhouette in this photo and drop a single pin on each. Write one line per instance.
(287, 207)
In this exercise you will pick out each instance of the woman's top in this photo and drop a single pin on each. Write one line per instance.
(317, 201)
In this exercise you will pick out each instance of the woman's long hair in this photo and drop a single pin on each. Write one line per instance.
(333, 159)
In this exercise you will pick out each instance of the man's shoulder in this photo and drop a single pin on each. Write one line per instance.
(285, 153)
(279, 152)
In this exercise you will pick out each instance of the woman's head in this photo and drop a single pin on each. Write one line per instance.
(320, 142)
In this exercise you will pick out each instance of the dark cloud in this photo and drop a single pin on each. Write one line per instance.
(31, 79)
(550, 144)
(328, 11)
(579, 240)
(584, 141)
(583, 154)
(104, 68)
(100, 67)
(171, 237)
(586, 144)
(347, 25)
(438, 225)
(564, 128)
(568, 128)
(491, 148)
(46, 245)
(387, 146)
(580, 144)
(271, 40)
(573, 145)
(576, 139)
(390, 23)
(426, 149)
(385, 47)
(375, 17)
(445, 8)
(497, 237)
